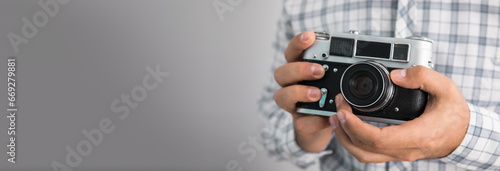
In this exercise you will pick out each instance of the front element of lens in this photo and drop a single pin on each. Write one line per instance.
(366, 86)
(362, 86)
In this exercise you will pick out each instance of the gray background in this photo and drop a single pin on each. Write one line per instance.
(93, 51)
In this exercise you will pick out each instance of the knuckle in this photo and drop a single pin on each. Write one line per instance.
(277, 99)
(276, 95)
(287, 53)
(277, 72)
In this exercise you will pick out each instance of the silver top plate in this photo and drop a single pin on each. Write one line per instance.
(419, 52)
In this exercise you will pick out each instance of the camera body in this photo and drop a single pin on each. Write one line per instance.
(358, 67)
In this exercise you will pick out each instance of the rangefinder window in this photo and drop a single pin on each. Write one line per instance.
(341, 47)
(373, 49)
(401, 52)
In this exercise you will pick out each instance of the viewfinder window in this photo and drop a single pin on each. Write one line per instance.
(341, 47)
(401, 52)
(373, 49)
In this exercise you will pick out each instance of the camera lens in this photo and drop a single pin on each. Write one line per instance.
(362, 86)
(366, 86)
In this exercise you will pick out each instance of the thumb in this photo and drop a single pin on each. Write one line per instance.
(426, 79)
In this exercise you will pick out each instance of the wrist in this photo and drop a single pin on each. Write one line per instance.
(314, 142)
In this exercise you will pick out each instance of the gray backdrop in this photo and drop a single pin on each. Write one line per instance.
(86, 54)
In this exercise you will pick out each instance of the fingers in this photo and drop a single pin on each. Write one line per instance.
(371, 137)
(362, 155)
(298, 44)
(426, 79)
(287, 97)
(342, 104)
(365, 155)
(353, 126)
(294, 72)
(372, 144)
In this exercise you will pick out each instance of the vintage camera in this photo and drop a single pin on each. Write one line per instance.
(358, 67)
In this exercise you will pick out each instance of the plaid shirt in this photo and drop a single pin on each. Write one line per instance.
(466, 38)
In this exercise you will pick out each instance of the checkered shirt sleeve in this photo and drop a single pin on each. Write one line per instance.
(466, 36)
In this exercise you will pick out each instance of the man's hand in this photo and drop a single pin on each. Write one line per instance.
(312, 132)
(436, 133)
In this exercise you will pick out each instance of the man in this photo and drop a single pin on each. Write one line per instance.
(460, 127)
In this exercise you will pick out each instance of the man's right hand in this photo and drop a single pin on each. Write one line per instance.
(312, 132)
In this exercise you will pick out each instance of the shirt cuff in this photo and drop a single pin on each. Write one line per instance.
(479, 149)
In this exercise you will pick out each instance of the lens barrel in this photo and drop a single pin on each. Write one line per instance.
(366, 86)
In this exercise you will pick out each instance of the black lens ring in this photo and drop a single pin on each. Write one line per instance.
(351, 73)
(381, 95)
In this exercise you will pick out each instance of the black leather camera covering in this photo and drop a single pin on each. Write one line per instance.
(410, 102)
